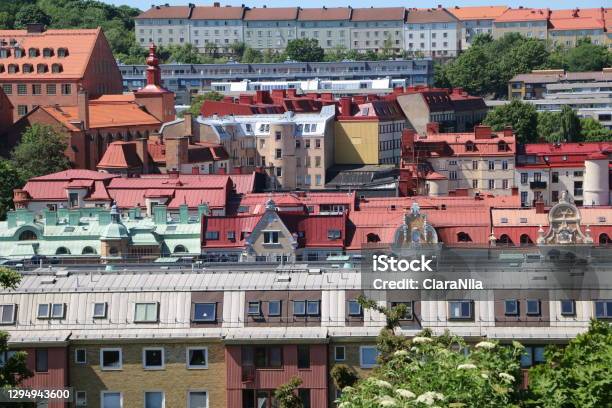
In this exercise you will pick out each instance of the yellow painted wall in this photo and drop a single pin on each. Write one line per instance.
(356, 142)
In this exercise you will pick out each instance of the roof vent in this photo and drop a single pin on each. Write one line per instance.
(48, 280)
(314, 271)
(283, 278)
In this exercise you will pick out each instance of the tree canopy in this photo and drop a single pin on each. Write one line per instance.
(522, 116)
(305, 49)
(198, 100)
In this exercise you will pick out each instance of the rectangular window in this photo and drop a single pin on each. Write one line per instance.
(532, 355)
(254, 308)
(197, 357)
(368, 356)
(511, 307)
(36, 89)
(491, 165)
(460, 309)
(603, 309)
(334, 234)
(299, 307)
(80, 356)
(303, 351)
(66, 89)
(7, 314)
(354, 308)
(198, 399)
(262, 356)
(42, 360)
(277, 135)
(474, 183)
(278, 153)
(270, 237)
(452, 175)
(51, 89)
(304, 394)
(81, 398)
(212, 235)
(568, 307)
(312, 307)
(22, 110)
(111, 399)
(524, 178)
(146, 312)
(153, 358)
(339, 353)
(505, 184)
(22, 89)
(533, 307)
(555, 177)
(504, 165)
(7, 88)
(99, 310)
(204, 312)
(51, 311)
(111, 359)
(274, 308)
(43, 311)
(491, 184)
(154, 399)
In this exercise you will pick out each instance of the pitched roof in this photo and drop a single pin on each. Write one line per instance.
(120, 155)
(79, 44)
(577, 23)
(166, 12)
(325, 14)
(272, 13)
(378, 14)
(578, 12)
(477, 13)
(523, 14)
(432, 15)
(74, 174)
(217, 13)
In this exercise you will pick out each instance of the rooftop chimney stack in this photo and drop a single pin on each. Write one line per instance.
(83, 108)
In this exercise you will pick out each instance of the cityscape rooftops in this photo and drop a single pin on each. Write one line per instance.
(523, 14)
(166, 11)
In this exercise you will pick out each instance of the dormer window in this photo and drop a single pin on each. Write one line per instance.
(56, 68)
(469, 146)
(42, 68)
(47, 52)
(28, 68)
(62, 52)
(502, 146)
(33, 52)
(13, 68)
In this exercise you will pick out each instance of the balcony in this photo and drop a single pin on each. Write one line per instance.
(248, 373)
(537, 185)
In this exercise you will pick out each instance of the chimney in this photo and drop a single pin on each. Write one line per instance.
(246, 99)
(143, 153)
(188, 123)
(83, 108)
(176, 153)
(216, 4)
(35, 28)
(432, 128)
(407, 142)
(482, 132)
(237, 170)
(259, 96)
(345, 106)
(195, 170)
(291, 92)
(539, 205)
(508, 132)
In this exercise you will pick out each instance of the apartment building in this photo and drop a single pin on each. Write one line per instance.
(375, 29)
(331, 26)
(214, 29)
(529, 22)
(46, 67)
(533, 85)
(270, 28)
(568, 26)
(475, 21)
(432, 32)
(546, 171)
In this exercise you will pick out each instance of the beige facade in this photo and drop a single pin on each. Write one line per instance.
(175, 379)
(531, 29)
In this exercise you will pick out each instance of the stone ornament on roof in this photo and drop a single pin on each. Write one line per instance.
(564, 225)
(415, 229)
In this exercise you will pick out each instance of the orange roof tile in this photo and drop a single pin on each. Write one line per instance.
(166, 12)
(523, 14)
(120, 155)
(217, 13)
(433, 15)
(272, 13)
(477, 13)
(578, 12)
(577, 23)
(378, 14)
(325, 14)
(79, 43)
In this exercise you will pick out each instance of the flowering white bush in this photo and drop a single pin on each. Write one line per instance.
(485, 345)
(507, 377)
(405, 393)
(421, 340)
(467, 366)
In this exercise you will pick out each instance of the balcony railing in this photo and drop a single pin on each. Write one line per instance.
(537, 185)
(248, 373)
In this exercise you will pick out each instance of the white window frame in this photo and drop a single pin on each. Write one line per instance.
(144, 397)
(83, 401)
(336, 353)
(102, 350)
(516, 304)
(14, 314)
(213, 319)
(76, 360)
(144, 358)
(538, 303)
(195, 391)
(104, 316)
(102, 393)
(470, 302)
(572, 302)
(254, 313)
(280, 308)
(189, 366)
(354, 301)
(146, 303)
(361, 364)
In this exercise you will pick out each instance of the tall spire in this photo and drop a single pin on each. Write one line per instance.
(153, 71)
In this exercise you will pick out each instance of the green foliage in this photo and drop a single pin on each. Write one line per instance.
(343, 376)
(40, 151)
(9, 180)
(286, 396)
(14, 369)
(549, 126)
(304, 49)
(251, 56)
(570, 125)
(523, 118)
(198, 100)
(30, 13)
(577, 375)
(585, 56)
(593, 131)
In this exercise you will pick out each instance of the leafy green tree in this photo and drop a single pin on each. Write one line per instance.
(251, 56)
(31, 13)
(549, 126)
(570, 125)
(198, 100)
(238, 49)
(343, 376)
(593, 131)
(286, 396)
(185, 54)
(305, 49)
(577, 375)
(14, 370)
(41, 151)
(9, 180)
(585, 56)
(523, 118)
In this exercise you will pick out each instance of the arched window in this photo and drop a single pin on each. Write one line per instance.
(180, 249)
(47, 52)
(526, 240)
(502, 146)
(56, 68)
(62, 251)
(113, 251)
(88, 251)
(13, 68)
(463, 237)
(504, 240)
(371, 237)
(33, 52)
(27, 68)
(42, 68)
(604, 239)
(28, 235)
(18, 53)
(62, 52)
(469, 146)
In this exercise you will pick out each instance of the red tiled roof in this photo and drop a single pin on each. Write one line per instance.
(523, 14)
(562, 155)
(578, 12)
(99, 193)
(120, 155)
(477, 13)
(378, 14)
(73, 174)
(271, 13)
(433, 15)
(457, 144)
(314, 229)
(79, 43)
(166, 12)
(217, 13)
(324, 14)
(235, 224)
(583, 23)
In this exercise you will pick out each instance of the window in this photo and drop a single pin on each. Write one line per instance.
(81, 399)
(43, 311)
(312, 307)
(22, 110)
(154, 399)
(212, 235)
(603, 309)
(304, 395)
(111, 399)
(99, 310)
(111, 359)
(80, 356)
(367, 356)
(278, 153)
(279, 172)
(475, 183)
(533, 307)
(334, 234)
(7, 88)
(270, 237)
(303, 351)
(7, 314)
(505, 184)
(204, 312)
(532, 355)
(452, 175)
(568, 307)
(254, 308)
(42, 360)
(198, 399)
(555, 177)
(197, 357)
(511, 307)
(51, 311)
(408, 314)
(491, 184)
(146, 312)
(299, 307)
(36, 89)
(491, 165)
(274, 308)
(339, 353)
(66, 89)
(153, 358)
(262, 356)
(354, 308)
(51, 89)
(460, 309)
(22, 89)
(524, 178)
(277, 135)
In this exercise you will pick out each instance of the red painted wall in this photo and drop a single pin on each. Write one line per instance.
(55, 378)
(314, 378)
